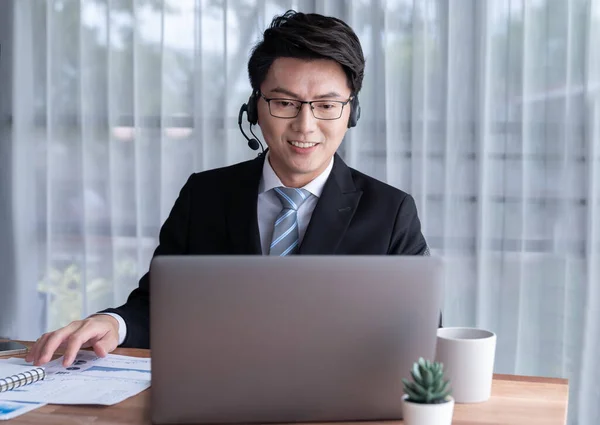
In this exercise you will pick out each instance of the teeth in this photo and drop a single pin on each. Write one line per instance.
(302, 144)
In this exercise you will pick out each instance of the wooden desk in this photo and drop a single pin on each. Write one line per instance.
(516, 400)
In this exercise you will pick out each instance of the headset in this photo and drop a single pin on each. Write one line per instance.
(252, 115)
(251, 109)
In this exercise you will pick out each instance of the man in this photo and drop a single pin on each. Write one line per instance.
(299, 198)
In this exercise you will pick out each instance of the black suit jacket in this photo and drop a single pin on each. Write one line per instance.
(216, 214)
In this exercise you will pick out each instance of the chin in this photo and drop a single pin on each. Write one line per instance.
(304, 167)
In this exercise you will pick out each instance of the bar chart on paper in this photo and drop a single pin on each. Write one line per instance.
(113, 372)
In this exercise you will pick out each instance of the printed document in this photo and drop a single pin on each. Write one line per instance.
(12, 409)
(89, 380)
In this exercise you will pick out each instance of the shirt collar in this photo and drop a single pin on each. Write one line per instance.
(269, 179)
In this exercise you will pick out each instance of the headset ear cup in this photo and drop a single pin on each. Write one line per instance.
(354, 112)
(252, 111)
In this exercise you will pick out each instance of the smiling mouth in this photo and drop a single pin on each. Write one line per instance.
(303, 145)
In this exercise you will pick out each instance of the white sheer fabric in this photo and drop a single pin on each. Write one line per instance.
(488, 112)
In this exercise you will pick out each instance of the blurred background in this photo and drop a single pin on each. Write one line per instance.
(487, 112)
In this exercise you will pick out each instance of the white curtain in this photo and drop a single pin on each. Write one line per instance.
(488, 112)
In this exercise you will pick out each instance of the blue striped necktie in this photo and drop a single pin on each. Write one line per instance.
(285, 234)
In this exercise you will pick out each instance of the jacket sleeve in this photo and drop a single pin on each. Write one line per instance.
(173, 240)
(407, 238)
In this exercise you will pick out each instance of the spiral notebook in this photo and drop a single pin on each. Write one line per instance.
(14, 376)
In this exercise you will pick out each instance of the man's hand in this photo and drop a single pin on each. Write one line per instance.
(99, 331)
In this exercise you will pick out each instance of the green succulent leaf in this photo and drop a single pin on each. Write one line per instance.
(427, 375)
(439, 385)
(407, 383)
(415, 372)
(416, 376)
(428, 385)
(446, 390)
(419, 388)
(413, 396)
(437, 371)
(445, 387)
(414, 388)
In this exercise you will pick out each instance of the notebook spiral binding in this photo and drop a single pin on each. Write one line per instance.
(21, 379)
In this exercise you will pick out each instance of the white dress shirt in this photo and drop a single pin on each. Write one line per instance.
(268, 209)
(269, 205)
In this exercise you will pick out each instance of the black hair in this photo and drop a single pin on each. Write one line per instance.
(308, 36)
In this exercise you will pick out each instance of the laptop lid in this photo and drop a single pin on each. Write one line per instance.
(288, 339)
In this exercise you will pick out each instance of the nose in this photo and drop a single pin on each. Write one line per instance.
(305, 122)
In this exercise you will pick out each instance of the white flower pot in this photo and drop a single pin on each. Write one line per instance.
(427, 414)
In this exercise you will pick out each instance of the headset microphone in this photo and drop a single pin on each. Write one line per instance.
(254, 143)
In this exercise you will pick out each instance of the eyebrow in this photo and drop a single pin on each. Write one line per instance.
(331, 94)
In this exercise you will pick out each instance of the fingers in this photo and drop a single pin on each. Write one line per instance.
(95, 331)
(50, 342)
(32, 353)
(38, 348)
(100, 332)
(106, 344)
(77, 340)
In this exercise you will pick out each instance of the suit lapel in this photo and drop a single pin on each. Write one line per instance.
(333, 213)
(242, 219)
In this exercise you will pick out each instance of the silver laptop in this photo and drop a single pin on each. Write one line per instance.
(261, 339)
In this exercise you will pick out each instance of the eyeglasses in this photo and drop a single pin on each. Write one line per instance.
(290, 108)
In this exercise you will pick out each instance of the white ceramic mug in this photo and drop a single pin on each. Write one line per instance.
(468, 356)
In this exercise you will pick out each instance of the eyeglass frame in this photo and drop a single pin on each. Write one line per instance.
(302, 102)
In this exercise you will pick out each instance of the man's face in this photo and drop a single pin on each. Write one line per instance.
(301, 148)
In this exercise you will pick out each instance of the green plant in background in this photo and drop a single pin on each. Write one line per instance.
(65, 294)
(428, 385)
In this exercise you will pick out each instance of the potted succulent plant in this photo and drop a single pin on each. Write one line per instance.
(427, 400)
